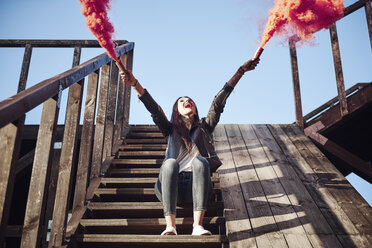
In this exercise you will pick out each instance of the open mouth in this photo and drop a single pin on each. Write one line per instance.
(187, 105)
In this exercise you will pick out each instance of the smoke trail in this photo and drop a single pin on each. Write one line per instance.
(99, 24)
(304, 17)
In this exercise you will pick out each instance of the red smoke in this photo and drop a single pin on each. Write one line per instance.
(304, 16)
(99, 24)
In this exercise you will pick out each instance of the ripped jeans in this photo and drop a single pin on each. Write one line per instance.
(173, 187)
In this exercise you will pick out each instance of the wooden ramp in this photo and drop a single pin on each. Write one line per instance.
(279, 190)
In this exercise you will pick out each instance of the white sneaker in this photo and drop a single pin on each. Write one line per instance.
(199, 230)
(169, 231)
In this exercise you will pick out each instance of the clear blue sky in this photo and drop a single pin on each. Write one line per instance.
(192, 48)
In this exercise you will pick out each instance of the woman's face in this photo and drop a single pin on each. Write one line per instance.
(186, 107)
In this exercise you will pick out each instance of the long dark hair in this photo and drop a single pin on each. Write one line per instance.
(179, 124)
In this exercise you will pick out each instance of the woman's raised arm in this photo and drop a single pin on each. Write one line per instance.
(131, 80)
(247, 66)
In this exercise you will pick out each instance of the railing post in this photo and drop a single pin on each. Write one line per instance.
(368, 10)
(36, 200)
(338, 70)
(86, 144)
(296, 83)
(111, 103)
(67, 159)
(10, 143)
(99, 132)
(127, 92)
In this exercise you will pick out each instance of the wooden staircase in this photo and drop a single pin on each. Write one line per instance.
(125, 211)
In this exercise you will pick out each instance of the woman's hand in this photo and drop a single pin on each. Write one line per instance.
(250, 65)
(128, 78)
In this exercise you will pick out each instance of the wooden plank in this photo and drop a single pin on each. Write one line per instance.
(296, 83)
(263, 223)
(99, 132)
(111, 105)
(355, 6)
(54, 43)
(86, 144)
(359, 166)
(355, 102)
(353, 204)
(25, 161)
(319, 191)
(238, 226)
(14, 107)
(276, 185)
(138, 161)
(119, 109)
(25, 68)
(10, 143)
(36, 199)
(141, 154)
(127, 91)
(143, 147)
(338, 70)
(67, 160)
(368, 10)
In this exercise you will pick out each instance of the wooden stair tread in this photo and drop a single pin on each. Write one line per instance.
(135, 171)
(147, 221)
(145, 141)
(130, 191)
(137, 161)
(141, 153)
(135, 205)
(132, 135)
(143, 147)
(125, 238)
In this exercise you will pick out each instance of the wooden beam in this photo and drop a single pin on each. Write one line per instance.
(358, 166)
(14, 107)
(10, 143)
(35, 207)
(127, 93)
(86, 144)
(111, 106)
(368, 10)
(55, 43)
(355, 102)
(25, 68)
(355, 6)
(296, 83)
(334, 101)
(338, 70)
(119, 110)
(99, 132)
(67, 160)
(25, 161)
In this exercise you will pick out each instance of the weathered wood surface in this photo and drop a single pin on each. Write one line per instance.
(296, 83)
(54, 43)
(86, 144)
(35, 208)
(66, 164)
(14, 107)
(99, 132)
(279, 190)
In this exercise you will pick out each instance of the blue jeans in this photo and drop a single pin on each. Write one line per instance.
(173, 187)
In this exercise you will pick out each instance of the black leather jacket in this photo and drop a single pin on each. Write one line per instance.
(201, 133)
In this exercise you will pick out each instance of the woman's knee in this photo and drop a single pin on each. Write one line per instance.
(200, 165)
(170, 167)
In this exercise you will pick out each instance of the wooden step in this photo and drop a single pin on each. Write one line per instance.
(149, 241)
(133, 172)
(135, 194)
(154, 147)
(134, 162)
(146, 226)
(140, 154)
(134, 182)
(145, 141)
(144, 128)
(104, 210)
(137, 135)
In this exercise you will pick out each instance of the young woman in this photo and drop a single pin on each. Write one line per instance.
(190, 157)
